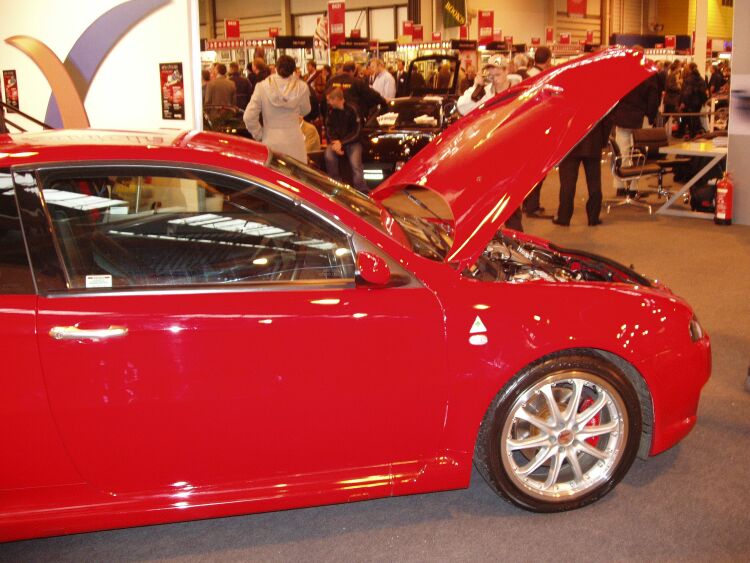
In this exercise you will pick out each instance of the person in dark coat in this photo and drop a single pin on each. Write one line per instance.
(642, 102)
(343, 129)
(692, 97)
(356, 92)
(242, 85)
(589, 153)
(402, 84)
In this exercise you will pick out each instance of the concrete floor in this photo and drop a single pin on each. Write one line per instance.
(690, 503)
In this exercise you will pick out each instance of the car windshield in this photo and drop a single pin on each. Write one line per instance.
(423, 216)
(408, 113)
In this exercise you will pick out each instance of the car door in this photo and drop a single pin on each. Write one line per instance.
(205, 330)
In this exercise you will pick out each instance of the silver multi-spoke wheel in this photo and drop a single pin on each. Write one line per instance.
(564, 436)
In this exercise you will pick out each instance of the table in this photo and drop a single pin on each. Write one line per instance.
(692, 148)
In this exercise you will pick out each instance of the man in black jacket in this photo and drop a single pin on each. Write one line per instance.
(356, 91)
(342, 130)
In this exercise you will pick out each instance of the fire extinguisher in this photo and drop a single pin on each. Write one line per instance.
(724, 189)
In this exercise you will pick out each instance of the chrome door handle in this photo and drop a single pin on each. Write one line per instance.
(75, 333)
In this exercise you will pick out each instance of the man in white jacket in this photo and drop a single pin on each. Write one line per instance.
(281, 99)
(383, 82)
(491, 81)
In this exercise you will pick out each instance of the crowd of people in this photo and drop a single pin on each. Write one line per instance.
(289, 109)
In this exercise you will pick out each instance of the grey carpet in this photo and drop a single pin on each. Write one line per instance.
(690, 503)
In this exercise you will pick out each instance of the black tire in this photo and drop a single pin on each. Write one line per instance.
(539, 452)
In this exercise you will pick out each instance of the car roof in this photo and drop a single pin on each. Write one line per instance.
(92, 144)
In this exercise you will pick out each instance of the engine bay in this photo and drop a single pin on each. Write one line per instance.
(514, 259)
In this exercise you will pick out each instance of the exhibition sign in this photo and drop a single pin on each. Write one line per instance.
(10, 87)
(486, 26)
(336, 23)
(172, 91)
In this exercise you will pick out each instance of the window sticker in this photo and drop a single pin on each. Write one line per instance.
(98, 280)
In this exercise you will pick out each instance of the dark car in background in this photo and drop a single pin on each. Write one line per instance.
(405, 125)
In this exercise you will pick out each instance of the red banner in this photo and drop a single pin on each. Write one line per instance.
(497, 34)
(509, 41)
(536, 40)
(463, 32)
(10, 85)
(273, 32)
(437, 36)
(486, 26)
(232, 29)
(565, 39)
(418, 34)
(576, 8)
(355, 33)
(670, 41)
(550, 34)
(407, 28)
(589, 37)
(336, 20)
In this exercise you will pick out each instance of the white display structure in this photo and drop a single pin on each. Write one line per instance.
(121, 43)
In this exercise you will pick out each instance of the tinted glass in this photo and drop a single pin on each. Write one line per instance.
(15, 275)
(409, 113)
(172, 228)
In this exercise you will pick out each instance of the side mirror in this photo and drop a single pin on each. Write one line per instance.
(372, 268)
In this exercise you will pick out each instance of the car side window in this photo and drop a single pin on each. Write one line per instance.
(176, 228)
(15, 274)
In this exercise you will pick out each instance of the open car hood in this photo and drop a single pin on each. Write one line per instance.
(486, 163)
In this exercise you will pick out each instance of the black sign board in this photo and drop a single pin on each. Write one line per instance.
(463, 44)
(387, 46)
(354, 43)
(294, 42)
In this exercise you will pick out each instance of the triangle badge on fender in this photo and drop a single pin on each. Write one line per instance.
(477, 326)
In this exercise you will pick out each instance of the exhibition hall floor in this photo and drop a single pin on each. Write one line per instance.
(690, 503)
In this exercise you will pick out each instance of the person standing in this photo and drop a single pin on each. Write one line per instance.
(220, 91)
(342, 130)
(532, 203)
(640, 103)
(241, 84)
(672, 89)
(281, 99)
(356, 92)
(589, 153)
(483, 90)
(382, 80)
(402, 82)
(692, 98)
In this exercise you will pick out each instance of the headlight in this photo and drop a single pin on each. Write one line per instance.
(696, 331)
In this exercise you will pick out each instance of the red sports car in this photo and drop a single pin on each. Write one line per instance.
(195, 327)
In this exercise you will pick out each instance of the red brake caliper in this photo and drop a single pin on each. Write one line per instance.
(594, 440)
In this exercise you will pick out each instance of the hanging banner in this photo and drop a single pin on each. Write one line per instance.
(670, 41)
(486, 23)
(336, 19)
(589, 37)
(497, 35)
(576, 8)
(273, 32)
(418, 33)
(550, 34)
(232, 29)
(565, 39)
(454, 13)
(437, 36)
(172, 91)
(536, 41)
(10, 86)
(509, 42)
(407, 27)
(463, 32)
(355, 33)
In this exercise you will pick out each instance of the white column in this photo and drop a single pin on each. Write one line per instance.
(701, 34)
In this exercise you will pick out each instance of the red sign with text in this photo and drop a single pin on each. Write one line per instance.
(565, 39)
(172, 91)
(509, 41)
(589, 37)
(486, 22)
(536, 40)
(463, 32)
(407, 28)
(497, 34)
(670, 41)
(336, 20)
(550, 34)
(437, 36)
(273, 32)
(355, 33)
(232, 29)
(418, 34)
(576, 8)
